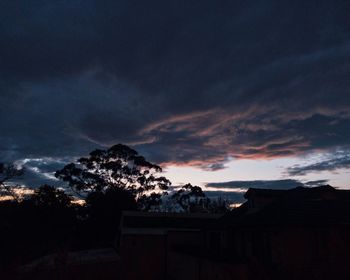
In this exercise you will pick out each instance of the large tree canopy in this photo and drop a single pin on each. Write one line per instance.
(116, 167)
(122, 169)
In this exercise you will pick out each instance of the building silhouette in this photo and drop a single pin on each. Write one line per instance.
(301, 233)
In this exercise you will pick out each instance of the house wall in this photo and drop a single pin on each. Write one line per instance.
(223, 271)
(143, 257)
(179, 264)
(295, 253)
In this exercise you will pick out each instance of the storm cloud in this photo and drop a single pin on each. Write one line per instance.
(184, 82)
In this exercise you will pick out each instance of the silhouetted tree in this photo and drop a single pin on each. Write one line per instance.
(49, 196)
(7, 173)
(117, 167)
(37, 225)
(217, 205)
(103, 211)
(122, 168)
(152, 202)
(192, 199)
(188, 197)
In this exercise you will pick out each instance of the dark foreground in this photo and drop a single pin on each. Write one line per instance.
(291, 234)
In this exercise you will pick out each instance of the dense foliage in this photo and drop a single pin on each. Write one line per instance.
(117, 167)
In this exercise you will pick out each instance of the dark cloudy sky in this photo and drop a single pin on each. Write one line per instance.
(212, 90)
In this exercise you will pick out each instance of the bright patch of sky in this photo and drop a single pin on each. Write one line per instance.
(249, 169)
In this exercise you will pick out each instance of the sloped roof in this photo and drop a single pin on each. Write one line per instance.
(323, 205)
(305, 213)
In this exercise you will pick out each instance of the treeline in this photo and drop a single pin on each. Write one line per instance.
(108, 182)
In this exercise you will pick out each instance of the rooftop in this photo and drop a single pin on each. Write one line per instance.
(322, 205)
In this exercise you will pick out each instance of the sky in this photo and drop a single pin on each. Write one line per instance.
(223, 94)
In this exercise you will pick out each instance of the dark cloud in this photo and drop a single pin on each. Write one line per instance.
(261, 184)
(316, 183)
(184, 82)
(231, 197)
(40, 171)
(333, 162)
(235, 190)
